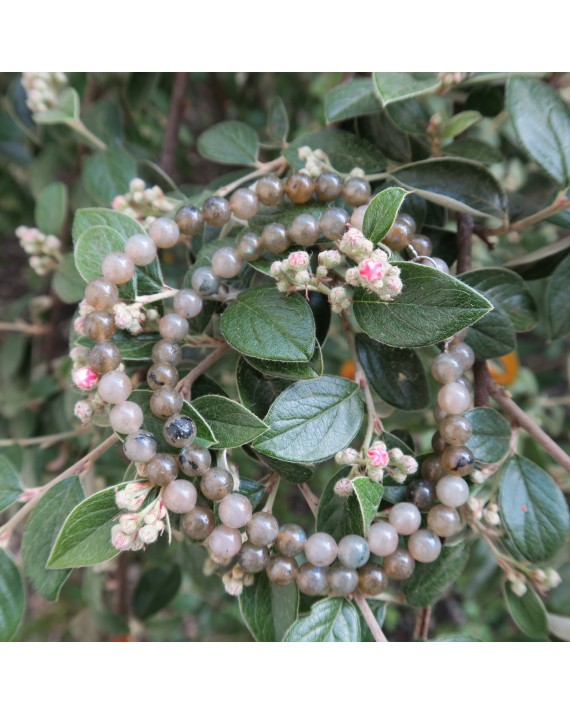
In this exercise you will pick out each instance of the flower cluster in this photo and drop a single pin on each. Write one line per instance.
(44, 251)
(236, 579)
(316, 161)
(131, 317)
(42, 89)
(373, 270)
(143, 203)
(380, 461)
(137, 528)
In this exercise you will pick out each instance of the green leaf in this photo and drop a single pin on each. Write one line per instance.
(458, 184)
(542, 262)
(294, 473)
(51, 209)
(368, 494)
(474, 150)
(330, 620)
(342, 516)
(351, 99)
(10, 487)
(45, 523)
(381, 212)
(139, 88)
(266, 324)
(231, 423)
(493, 336)
(397, 375)
(491, 436)
(345, 151)
(533, 509)
(459, 123)
(155, 589)
(256, 392)
(542, 124)
(230, 142)
(556, 301)
(12, 597)
(67, 283)
(107, 174)
(528, 612)
(277, 121)
(91, 248)
(431, 307)
(65, 112)
(397, 86)
(268, 610)
(291, 371)
(311, 421)
(430, 580)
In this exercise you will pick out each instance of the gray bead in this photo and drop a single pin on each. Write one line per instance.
(356, 191)
(217, 484)
(333, 223)
(328, 186)
(166, 351)
(190, 220)
(253, 558)
(187, 303)
(249, 247)
(291, 540)
(353, 551)
(216, 211)
(342, 580)
(140, 446)
(179, 431)
(262, 529)
(161, 374)
(165, 402)
(199, 523)
(304, 230)
(194, 460)
(269, 190)
(161, 470)
(274, 238)
(205, 282)
(104, 357)
(312, 580)
(282, 570)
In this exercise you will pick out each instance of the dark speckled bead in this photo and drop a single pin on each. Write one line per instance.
(458, 460)
(162, 469)
(194, 460)
(253, 558)
(282, 570)
(311, 579)
(291, 540)
(99, 325)
(371, 580)
(179, 431)
(216, 211)
(104, 357)
(190, 220)
(161, 374)
(199, 523)
(166, 351)
(422, 494)
(165, 402)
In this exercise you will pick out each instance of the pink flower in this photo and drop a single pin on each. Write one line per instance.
(370, 270)
(378, 454)
(298, 259)
(84, 378)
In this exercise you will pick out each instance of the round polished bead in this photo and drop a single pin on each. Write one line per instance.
(235, 510)
(164, 232)
(408, 220)
(118, 268)
(424, 546)
(382, 538)
(333, 223)
(405, 517)
(446, 368)
(167, 351)
(458, 460)
(400, 565)
(249, 247)
(190, 220)
(321, 549)
(114, 387)
(161, 374)
(216, 211)
(199, 523)
(299, 188)
(342, 580)
(399, 236)
(140, 446)
(187, 303)
(443, 521)
(205, 282)
(104, 357)
(422, 494)
(179, 431)
(244, 203)
(141, 249)
(274, 238)
(99, 325)
(162, 469)
(455, 430)
(371, 580)
(165, 402)
(216, 484)
(438, 444)
(422, 245)
(180, 496)
(357, 217)
(312, 580)
(226, 263)
(435, 263)
(464, 353)
(253, 558)
(194, 460)
(282, 570)
(431, 468)
(126, 418)
(353, 551)
(101, 294)
(452, 491)
(304, 230)
(270, 190)
(173, 327)
(356, 191)
(328, 186)
(291, 540)
(262, 528)
(454, 398)
(224, 542)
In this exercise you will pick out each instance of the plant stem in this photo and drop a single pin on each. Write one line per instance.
(168, 154)
(480, 383)
(278, 165)
(560, 203)
(21, 326)
(311, 498)
(271, 490)
(421, 629)
(78, 126)
(368, 616)
(185, 384)
(47, 440)
(164, 295)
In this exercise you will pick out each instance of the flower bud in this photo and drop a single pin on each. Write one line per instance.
(377, 455)
(148, 534)
(343, 487)
(347, 457)
(84, 378)
(121, 540)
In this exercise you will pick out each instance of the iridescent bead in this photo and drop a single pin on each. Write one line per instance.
(422, 245)
(235, 510)
(274, 238)
(180, 496)
(341, 580)
(282, 570)
(104, 357)
(299, 188)
(291, 540)
(353, 551)
(226, 263)
(216, 484)
(118, 268)
(456, 430)
(312, 580)
(205, 282)
(321, 549)
(424, 546)
(99, 326)
(164, 232)
(454, 398)
(270, 190)
(166, 351)
(408, 220)
(356, 191)
(444, 521)
(141, 249)
(161, 469)
(333, 223)
(194, 460)
(400, 565)
(165, 402)
(190, 220)
(101, 294)
(244, 203)
(126, 418)
(262, 528)
(140, 446)
(422, 494)
(249, 247)
(179, 431)
(216, 211)
(382, 538)
(187, 303)
(438, 444)
(431, 468)
(304, 230)
(199, 523)
(173, 327)
(161, 374)
(371, 580)
(253, 558)
(328, 186)
(464, 353)
(452, 491)
(399, 236)
(114, 387)
(224, 542)
(446, 368)
(405, 517)
(458, 460)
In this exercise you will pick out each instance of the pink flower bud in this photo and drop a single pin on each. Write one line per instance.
(298, 259)
(119, 202)
(370, 270)
(84, 378)
(121, 540)
(378, 454)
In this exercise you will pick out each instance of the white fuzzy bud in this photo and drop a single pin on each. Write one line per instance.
(330, 258)
(409, 465)
(399, 476)
(343, 487)
(83, 411)
(396, 455)
(148, 534)
(347, 457)
(491, 514)
(121, 540)
(517, 584)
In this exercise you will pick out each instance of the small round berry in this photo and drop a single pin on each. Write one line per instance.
(464, 353)
(194, 460)
(446, 368)
(104, 357)
(101, 294)
(399, 236)
(226, 263)
(290, 540)
(357, 217)
(166, 351)
(371, 580)
(405, 517)
(435, 263)
(321, 549)
(353, 551)
(458, 460)
(141, 249)
(224, 542)
(262, 528)
(282, 570)
(444, 521)
(162, 469)
(187, 303)
(342, 580)
(270, 190)
(304, 230)
(165, 402)
(179, 431)
(333, 223)
(455, 430)
(312, 580)
(422, 245)
(454, 398)
(235, 510)
(216, 211)
(126, 418)
(422, 494)
(244, 203)
(299, 188)
(99, 326)
(173, 327)
(161, 374)
(438, 444)
(114, 387)
(274, 238)
(205, 282)
(253, 558)
(382, 538)
(199, 523)
(431, 468)
(180, 496)
(328, 186)
(249, 247)
(164, 232)
(190, 220)
(140, 446)
(424, 546)
(217, 484)
(400, 565)
(408, 220)
(356, 191)
(118, 268)
(452, 491)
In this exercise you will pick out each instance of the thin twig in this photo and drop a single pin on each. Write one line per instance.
(560, 203)
(481, 383)
(46, 441)
(185, 384)
(278, 166)
(421, 629)
(21, 326)
(369, 618)
(311, 498)
(168, 155)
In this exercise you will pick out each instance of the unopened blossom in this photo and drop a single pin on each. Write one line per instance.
(42, 89)
(129, 317)
(340, 299)
(132, 497)
(343, 487)
(409, 465)
(83, 411)
(298, 259)
(44, 250)
(347, 457)
(143, 203)
(355, 245)
(370, 270)
(517, 583)
(330, 258)
(120, 539)
(377, 455)
(84, 378)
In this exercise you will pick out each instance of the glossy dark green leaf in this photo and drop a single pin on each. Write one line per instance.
(342, 516)
(380, 129)
(256, 392)
(155, 589)
(294, 473)
(345, 150)
(411, 116)
(351, 99)
(51, 209)
(12, 597)
(253, 490)
(291, 371)
(268, 610)
(107, 174)
(330, 620)
(493, 336)
(10, 487)
(396, 86)
(430, 580)
(528, 612)
(230, 422)
(557, 300)
(229, 142)
(459, 123)
(67, 283)
(491, 436)
(321, 309)
(382, 212)
(91, 248)
(474, 150)
(542, 262)
(277, 120)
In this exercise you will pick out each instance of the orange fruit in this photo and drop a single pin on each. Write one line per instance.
(504, 370)
(347, 369)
